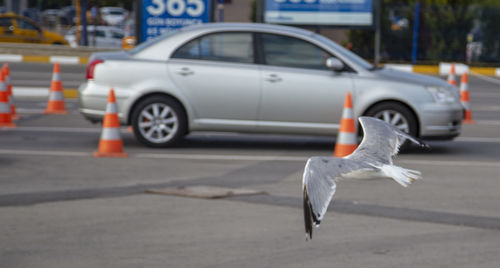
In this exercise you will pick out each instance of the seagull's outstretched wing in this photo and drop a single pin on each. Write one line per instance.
(381, 141)
(318, 184)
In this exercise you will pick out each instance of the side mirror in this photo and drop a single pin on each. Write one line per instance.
(334, 64)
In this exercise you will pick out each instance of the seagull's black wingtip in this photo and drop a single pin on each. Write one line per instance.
(307, 216)
(423, 145)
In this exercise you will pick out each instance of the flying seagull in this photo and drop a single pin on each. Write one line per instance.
(372, 159)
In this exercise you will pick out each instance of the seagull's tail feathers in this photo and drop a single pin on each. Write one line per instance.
(401, 175)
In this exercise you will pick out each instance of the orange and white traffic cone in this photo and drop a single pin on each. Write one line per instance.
(347, 138)
(110, 144)
(56, 104)
(465, 98)
(5, 115)
(8, 84)
(451, 77)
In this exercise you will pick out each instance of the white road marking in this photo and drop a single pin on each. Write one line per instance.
(65, 59)
(477, 139)
(240, 158)
(221, 157)
(28, 111)
(451, 163)
(57, 129)
(43, 153)
(125, 130)
(11, 57)
(484, 94)
(488, 122)
(30, 91)
(486, 78)
(62, 129)
(485, 108)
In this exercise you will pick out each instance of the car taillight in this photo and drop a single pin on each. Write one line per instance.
(91, 68)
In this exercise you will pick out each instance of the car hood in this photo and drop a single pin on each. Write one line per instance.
(54, 37)
(412, 78)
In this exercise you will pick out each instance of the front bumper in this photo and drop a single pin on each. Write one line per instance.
(441, 122)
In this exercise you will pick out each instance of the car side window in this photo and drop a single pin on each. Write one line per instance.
(191, 50)
(116, 35)
(285, 51)
(226, 47)
(26, 25)
(100, 33)
(5, 22)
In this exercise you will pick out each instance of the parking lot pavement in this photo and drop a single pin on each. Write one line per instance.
(162, 231)
(60, 207)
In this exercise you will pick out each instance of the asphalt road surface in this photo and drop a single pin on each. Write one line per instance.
(38, 75)
(61, 207)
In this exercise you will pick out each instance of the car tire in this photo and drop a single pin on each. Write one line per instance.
(397, 115)
(159, 121)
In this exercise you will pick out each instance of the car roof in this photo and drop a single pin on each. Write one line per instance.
(113, 8)
(17, 16)
(224, 26)
(9, 14)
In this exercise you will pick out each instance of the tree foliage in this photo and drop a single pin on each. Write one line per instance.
(444, 26)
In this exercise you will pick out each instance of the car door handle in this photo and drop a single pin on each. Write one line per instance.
(273, 78)
(185, 71)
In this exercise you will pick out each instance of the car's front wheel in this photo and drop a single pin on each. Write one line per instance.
(396, 115)
(159, 121)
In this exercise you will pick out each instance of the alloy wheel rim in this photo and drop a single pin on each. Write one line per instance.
(395, 119)
(158, 123)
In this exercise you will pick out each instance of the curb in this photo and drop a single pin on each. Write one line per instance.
(68, 93)
(43, 59)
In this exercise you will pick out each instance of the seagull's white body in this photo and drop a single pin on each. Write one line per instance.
(372, 159)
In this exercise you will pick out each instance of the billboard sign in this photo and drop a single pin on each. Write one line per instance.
(320, 12)
(160, 16)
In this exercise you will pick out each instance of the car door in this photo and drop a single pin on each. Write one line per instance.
(28, 32)
(217, 74)
(7, 30)
(299, 93)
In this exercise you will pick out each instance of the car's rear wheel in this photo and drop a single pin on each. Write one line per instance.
(159, 121)
(397, 115)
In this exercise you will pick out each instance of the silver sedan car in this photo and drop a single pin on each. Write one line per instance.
(259, 78)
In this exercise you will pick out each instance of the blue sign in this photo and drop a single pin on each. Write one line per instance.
(161, 16)
(319, 12)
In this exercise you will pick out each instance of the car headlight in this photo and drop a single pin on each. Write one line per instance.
(442, 94)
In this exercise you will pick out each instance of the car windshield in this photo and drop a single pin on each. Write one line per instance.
(346, 53)
(115, 12)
